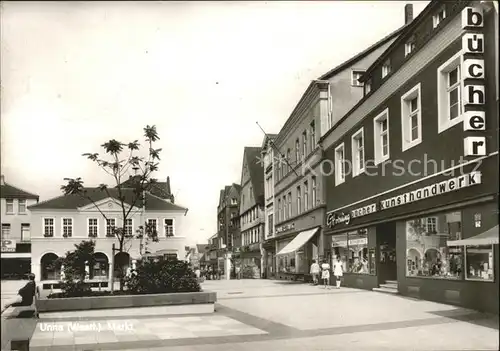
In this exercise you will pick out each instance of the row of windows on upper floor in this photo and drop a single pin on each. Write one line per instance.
(7, 231)
(409, 48)
(450, 112)
(303, 148)
(10, 208)
(285, 209)
(251, 236)
(93, 227)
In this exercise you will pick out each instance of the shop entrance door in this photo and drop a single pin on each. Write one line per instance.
(387, 263)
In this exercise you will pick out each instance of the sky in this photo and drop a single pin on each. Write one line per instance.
(76, 74)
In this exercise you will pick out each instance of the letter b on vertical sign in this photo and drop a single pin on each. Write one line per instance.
(472, 17)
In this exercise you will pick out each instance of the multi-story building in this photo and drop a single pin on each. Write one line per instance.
(227, 210)
(268, 250)
(299, 190)
(16, 230)
(251, 212)
(412, 201)
(60, 223)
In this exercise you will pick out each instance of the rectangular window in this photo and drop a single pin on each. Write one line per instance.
(411, 118)
(67, 227)
(270, 220)
(479, 263)
(304, 144)
(427, 252)
(339, 164)
(110, 227)
(93, 227)
(358, 152)
(299, 200)
(153, 223)
(386, 68)
(439, 17)
(9, 206)
(5, 231)
(355, 76)
(285, 208)
(169, 227)
(306, 196)
(312, 134)
(297, 151)
(313, 192)
(352, 248)
(381, 136)
(290, 205)
(234, 201)
(48, 227)
(410, 46)
(21, 206)
(288, 160)
(25, 232)
(449, 93)
(368, 86)
(278, 215)
(129, 227)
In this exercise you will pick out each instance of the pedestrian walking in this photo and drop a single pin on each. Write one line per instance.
(315, 270)
(338, 271)
(325, 274)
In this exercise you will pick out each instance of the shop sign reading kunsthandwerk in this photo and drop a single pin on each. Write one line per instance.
(453, 184)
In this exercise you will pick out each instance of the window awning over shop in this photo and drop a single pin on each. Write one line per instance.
(489, 237)
(300, 240)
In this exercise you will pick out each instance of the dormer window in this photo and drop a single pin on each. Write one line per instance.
(368, 86)
(410, 46)
(439, 17)
(356, 75)
(386, 68)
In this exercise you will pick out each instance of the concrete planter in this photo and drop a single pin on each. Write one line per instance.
(204, 300)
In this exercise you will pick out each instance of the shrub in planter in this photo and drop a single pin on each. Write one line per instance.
(162, 276)
(248, 272)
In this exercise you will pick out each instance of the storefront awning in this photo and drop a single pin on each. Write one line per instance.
(489, 237)
(300, 240)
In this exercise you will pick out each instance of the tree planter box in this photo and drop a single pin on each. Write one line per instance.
(195, 299)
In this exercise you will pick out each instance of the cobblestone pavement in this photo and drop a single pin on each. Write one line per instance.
(272, 315)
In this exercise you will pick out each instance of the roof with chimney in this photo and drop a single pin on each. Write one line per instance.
(160, 189)
(74, 201)
(255, 168)
(8, 191)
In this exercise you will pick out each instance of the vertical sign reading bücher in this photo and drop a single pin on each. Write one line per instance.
(473, 75)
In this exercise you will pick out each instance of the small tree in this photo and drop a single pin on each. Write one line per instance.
(74, 263)
(119, 166)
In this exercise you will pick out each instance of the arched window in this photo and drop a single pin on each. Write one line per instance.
(50, 270)
(100, 270)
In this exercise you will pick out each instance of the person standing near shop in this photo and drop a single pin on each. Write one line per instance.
(325, 274)
(315, 270)
(338, 271)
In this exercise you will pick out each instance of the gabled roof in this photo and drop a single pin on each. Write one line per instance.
(361, 55)
(267, 139)
(255, 168)
(73, 202)
(405, 32)
(160, 189)
(8, 191)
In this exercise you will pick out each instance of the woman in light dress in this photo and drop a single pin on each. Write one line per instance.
(338, 270)
(325, 274)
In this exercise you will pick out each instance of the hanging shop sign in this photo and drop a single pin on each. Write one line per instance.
(285, 227)
(335, 218)
(8, 245)
(473, 75)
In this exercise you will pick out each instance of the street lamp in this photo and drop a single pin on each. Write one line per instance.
(112, 268)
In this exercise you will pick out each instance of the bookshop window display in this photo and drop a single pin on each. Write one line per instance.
(479, 262)
(352, 248)
(427, 253)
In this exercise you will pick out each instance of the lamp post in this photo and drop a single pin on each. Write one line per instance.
(112, 268)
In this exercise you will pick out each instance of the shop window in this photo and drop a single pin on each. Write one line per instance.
(427, 253)
(479, 262)
(353, 250)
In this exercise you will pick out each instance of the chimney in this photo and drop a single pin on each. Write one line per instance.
(2, 180)
(168, 186)
(408, 13)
